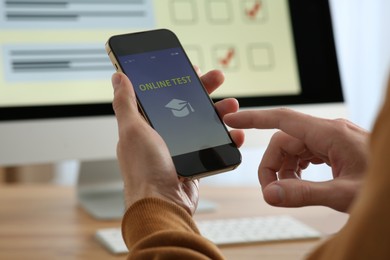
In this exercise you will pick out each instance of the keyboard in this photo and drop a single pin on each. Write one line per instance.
(229, 231)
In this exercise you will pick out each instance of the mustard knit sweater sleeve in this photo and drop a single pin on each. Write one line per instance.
(156, 229)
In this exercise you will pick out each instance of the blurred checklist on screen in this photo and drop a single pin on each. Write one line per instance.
(52, 51)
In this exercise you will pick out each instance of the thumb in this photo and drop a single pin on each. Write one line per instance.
(124, 103)
(297, 193)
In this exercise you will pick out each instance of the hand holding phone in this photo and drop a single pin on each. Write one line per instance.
(172, 99)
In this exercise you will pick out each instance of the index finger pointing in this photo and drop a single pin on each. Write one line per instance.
(291, 122)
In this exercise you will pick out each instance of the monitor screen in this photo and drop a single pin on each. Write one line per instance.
(55, 89)
(53, 62)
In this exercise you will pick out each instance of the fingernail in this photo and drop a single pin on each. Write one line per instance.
(116, 79)
(274, 194)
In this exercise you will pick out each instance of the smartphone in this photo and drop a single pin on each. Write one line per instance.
(172, 99)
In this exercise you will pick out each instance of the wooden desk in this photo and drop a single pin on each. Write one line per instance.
(44, 222)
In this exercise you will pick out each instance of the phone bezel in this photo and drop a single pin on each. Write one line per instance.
(191, 165)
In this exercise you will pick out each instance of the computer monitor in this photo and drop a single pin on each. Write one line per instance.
(55, 101)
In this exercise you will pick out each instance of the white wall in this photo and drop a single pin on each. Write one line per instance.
(363, 40)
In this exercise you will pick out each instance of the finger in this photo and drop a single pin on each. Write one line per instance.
(336, 194)
(212, 80)
(282, 153)
(294, 123)
(124, 103)
(294, 164)
(238, 137)
(227, 106)
(290, 168)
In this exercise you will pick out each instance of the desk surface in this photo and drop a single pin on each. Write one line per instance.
(44, 222)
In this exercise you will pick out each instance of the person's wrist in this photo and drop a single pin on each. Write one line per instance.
(133, 194)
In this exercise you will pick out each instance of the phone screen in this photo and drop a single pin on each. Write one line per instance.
(174, 101)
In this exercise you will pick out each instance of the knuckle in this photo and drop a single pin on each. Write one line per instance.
(284, 112)
(343, 126)
(342, 121)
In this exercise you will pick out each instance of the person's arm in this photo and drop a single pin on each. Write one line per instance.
(366, 234)
(154, 227)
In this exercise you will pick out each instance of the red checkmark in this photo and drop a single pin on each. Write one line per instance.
(252, 12)
(229, 57)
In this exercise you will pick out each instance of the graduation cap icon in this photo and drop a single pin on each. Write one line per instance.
(180, 108)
